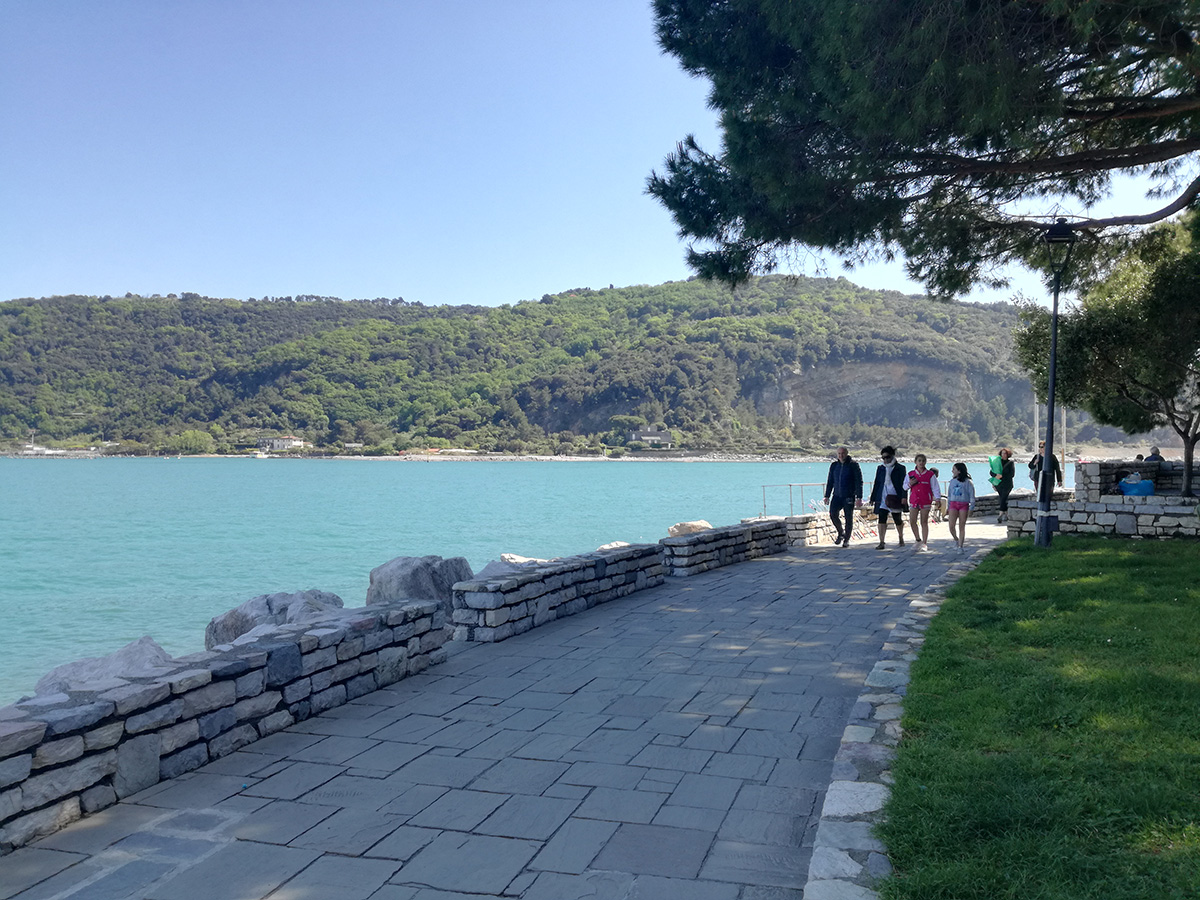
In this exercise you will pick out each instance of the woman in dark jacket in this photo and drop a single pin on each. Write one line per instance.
(888, 494)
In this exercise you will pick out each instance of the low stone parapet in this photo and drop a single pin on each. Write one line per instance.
(694, 553)
(69, 754)
(811, 529)
(1154, 516)
(498, 608)
(989, 504)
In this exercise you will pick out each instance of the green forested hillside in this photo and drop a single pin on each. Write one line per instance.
(712, 366)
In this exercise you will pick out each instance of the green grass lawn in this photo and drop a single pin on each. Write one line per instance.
(1052, 730)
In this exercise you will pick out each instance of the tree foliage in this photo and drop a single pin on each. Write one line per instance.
(545, 376)
(916, 126)
(1130, 353)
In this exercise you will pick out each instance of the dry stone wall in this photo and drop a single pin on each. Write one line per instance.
(1094, 480)
(694, 553)
(498, 608)
(1156, 516)
(65, 755)
(1095, 508)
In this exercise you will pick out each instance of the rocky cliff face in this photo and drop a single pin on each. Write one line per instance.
(896, 392)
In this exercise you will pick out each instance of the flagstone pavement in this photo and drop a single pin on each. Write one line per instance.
(672, 745)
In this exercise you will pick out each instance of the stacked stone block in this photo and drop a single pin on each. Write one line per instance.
(801, 531)
(694, 553)
(498, 608)
(1094, 480)
(1155, 516)
(65, 755)
(809, 529)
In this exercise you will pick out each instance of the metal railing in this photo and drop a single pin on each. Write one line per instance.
(810, 501)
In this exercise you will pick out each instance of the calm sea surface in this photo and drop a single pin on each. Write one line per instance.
(96, 553)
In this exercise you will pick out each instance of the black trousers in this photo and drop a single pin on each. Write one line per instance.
(839, 508)
(897, 517)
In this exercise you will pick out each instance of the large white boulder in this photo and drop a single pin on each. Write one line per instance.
(681, 528)
(271, 609)
(141, 658)
(417, 578)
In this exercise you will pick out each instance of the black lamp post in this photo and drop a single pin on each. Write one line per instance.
(1060, 240)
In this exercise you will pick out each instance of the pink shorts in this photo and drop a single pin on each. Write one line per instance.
(959, 504)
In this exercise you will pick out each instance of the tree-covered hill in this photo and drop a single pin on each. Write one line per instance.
(778, 362)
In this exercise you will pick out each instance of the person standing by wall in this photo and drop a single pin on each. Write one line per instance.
(843, 493)
(888, 496)
(1004, 485)
(960, 491)
(1038, 463)
(923, 492)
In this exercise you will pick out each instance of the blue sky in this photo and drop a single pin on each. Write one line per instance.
(458, 151)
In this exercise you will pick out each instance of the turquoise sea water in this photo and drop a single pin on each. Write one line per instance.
(96, 553)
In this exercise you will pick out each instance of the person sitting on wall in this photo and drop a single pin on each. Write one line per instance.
(1154, 456)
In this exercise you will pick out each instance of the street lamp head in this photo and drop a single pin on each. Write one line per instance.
(1060, 238)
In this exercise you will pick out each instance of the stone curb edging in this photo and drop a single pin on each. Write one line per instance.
(848, 860)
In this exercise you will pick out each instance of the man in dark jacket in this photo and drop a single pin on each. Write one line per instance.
(1035, 470)
(843, 492)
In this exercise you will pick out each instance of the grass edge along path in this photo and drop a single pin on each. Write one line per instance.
(1051, 745)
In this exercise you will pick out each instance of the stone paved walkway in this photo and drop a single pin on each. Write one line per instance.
(672, 745)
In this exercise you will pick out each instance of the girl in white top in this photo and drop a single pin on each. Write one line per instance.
(960, 492)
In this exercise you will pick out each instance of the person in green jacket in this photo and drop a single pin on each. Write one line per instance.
(1003, 473)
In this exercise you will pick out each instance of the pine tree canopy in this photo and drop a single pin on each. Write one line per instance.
(864, 128)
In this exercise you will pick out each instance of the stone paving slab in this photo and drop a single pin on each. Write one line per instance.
(676, 743)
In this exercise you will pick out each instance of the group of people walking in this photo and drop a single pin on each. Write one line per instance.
(896, 491)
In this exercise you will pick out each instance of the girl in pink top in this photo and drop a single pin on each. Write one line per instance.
(923, 492)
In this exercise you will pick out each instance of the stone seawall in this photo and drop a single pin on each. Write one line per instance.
(66, 755)
(694, 553)
(498, 608)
